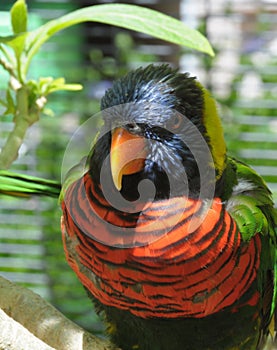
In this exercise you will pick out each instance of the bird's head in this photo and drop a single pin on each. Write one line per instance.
(162, 126)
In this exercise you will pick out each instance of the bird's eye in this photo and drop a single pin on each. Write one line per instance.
(132, 127)
(175, 122)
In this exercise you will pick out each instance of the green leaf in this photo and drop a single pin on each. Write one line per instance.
(4, 104)
(7, 39)
(131, 17)
(17, 185)
(67, 87)
(19, 17)
(60, 84)
(10, 103)
(16, 42)
(47, 85)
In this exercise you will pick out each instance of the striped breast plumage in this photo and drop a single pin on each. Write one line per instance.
(195, 263)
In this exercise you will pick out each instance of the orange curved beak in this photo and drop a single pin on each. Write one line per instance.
(128, 153)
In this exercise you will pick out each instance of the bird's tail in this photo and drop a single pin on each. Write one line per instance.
(21, 185)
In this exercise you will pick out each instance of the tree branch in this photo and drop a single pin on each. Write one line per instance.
(13, 336)
(42, 320)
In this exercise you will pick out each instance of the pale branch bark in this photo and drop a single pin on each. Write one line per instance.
(15, 337)
(42, 323)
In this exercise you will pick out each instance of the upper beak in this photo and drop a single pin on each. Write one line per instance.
(128, 153)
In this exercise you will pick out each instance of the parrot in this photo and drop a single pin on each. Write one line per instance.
(173, 239)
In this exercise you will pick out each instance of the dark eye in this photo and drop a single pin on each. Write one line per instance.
(175, 122)
(133, 127)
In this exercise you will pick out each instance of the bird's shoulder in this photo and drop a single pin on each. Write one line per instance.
(250, 201)
(72, 175)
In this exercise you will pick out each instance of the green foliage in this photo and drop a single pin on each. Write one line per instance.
(19, 17)
(26, 185)
(26, 99)
(131, 17)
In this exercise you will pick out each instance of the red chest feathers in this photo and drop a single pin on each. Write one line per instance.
(176, 258)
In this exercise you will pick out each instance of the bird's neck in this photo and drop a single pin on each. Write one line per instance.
(159, 184)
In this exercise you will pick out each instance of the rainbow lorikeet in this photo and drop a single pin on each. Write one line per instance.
(174, 241)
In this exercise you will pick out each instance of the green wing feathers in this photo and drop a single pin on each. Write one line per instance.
(21, 185)
(251, 204)
(252, 208)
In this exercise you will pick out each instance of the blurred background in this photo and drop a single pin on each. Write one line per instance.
(242, 77)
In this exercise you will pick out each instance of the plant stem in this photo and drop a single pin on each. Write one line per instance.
(7, 55)
(22, 121)
(10, 150)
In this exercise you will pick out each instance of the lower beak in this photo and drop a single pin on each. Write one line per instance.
(128, 153)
